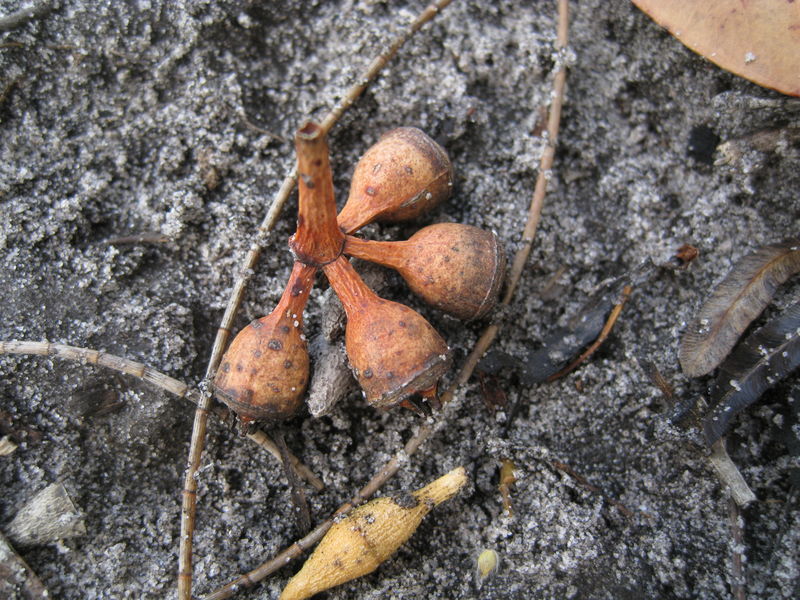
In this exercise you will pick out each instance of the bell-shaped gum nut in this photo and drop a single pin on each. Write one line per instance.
(402, 176)
(393, 351)
(264, 373)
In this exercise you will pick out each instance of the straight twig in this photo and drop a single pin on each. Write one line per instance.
(156, 378)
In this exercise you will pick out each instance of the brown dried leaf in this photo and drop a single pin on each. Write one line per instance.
(755, 39)
(733, 305)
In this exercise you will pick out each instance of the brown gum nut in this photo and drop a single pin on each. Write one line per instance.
(403, 175)
(455, 267)
(264, 373)
(394, 353)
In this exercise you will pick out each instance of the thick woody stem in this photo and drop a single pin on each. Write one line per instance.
(295, 295)
(388, 254)
(349, 287)
(318, 239)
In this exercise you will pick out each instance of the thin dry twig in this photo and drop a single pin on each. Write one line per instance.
(270, 134)
(738, 577)
(425, 431)
(251, 578)
(537, 202)
(150, 375)
(189, 494)
(565, 468)
(729, 474)
(297, 493)
(612, 319)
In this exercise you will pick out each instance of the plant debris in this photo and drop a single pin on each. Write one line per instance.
(733, 305)
(768, 355)
(563, 349)
(507, 479)
(755, 40)
(360, 542)
(49, 516)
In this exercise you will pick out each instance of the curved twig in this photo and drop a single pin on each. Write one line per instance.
(391, 467)
(609, 325)
(150, 375)
(189, 494)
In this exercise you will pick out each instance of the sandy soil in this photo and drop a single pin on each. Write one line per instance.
(175, 117)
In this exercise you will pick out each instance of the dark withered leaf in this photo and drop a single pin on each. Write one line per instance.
(565, 343)
(768, 355)
(733, 305)
(497, 360)
(560, 346)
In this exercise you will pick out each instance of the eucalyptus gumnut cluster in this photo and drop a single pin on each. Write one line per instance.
(394, 353)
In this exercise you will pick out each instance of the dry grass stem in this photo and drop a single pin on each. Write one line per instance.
(596, 490)
(729, 474)
(738, 576)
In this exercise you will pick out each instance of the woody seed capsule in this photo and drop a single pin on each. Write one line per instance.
(393, 351)
(456, 268)
(264, 372)
(368, 536)
(400, 177)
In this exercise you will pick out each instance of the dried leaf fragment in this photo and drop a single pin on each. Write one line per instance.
(733, 305)
(564, 344)
(768, 355)
(755, 39)
(49, 516)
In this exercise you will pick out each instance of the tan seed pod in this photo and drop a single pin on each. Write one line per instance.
(403, 175)
(368, 536)
(264, 372)
(455, 267)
